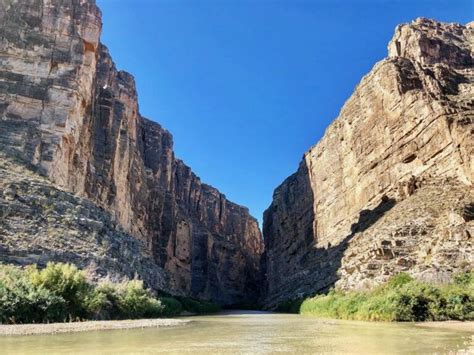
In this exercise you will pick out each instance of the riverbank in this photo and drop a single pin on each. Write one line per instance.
(467, 326)
(56, 328)
(402, 298)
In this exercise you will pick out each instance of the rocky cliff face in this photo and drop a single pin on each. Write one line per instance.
(40, 222)
(68, 111)
(389, 186)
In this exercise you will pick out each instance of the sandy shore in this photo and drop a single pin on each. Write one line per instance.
(452, 324)
(55, 328)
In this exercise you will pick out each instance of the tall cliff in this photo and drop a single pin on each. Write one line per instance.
(389, 186)
(67, 110)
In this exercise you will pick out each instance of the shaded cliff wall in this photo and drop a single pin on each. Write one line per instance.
(407, 128)
(65, 106)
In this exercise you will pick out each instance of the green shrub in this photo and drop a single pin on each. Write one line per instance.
(172, 307)
(401, 299)
(65, 281)
(102, 302)
(398, 280)
(134, 301)
(22, 302)
(464, 279)
(376, 307)
(458, 303)
(416, 302)
(126, 300)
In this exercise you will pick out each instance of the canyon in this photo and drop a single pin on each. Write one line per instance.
(84, 178)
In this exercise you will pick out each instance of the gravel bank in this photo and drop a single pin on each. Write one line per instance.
(55, 328)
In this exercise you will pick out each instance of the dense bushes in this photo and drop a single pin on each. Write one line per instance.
(64, 281)
(400, 299)
(22, 302)
(198, 306)
(172, 306)
(124, 300)
(61, 292)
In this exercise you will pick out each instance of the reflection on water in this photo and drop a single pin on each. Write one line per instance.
(250, 333)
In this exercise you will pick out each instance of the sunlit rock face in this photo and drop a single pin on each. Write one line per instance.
(389, 186)
(67, 110)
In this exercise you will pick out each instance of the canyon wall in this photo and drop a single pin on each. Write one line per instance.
(67, 110)
(389, 186)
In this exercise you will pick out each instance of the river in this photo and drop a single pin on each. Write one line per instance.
(250, 333)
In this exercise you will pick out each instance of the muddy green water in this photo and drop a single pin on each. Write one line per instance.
(250, 333)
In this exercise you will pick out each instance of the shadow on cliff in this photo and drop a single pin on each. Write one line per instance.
(368, 217)
(333, 255)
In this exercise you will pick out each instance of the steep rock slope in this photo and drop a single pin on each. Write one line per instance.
(389, 186)
(70, 113)
(40, 222)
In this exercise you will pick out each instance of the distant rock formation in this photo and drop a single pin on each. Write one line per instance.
(389, 186)
(66, 109)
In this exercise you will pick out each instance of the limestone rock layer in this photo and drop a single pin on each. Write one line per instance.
(389, 186)
(67, 110)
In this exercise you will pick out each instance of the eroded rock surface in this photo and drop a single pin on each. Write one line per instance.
(384, 189)
(40, 222)
(68, 111)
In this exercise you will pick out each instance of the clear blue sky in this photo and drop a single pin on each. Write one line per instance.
(246, 87)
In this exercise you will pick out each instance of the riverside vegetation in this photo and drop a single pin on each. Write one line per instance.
(400, 299)
(62, 292)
